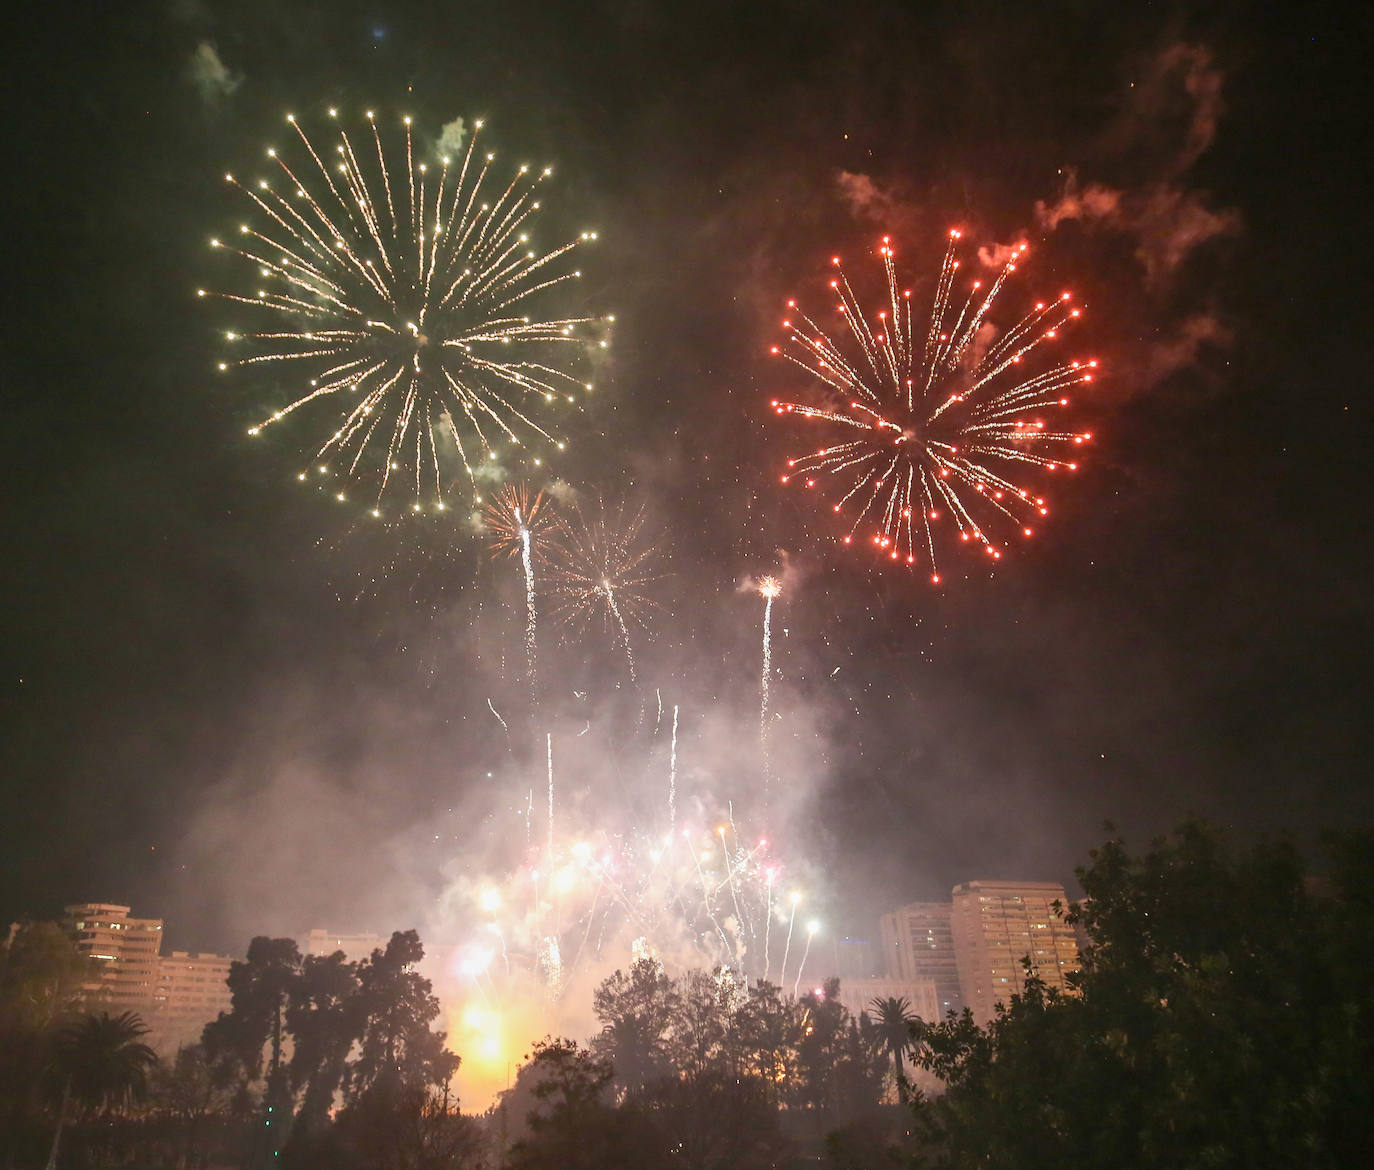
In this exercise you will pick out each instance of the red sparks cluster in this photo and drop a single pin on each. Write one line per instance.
(942, 423)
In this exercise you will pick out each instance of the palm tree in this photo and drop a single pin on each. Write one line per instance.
(895, 1027)
(103, 1063)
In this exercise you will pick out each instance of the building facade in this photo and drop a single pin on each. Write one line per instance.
(192, 990)
(176, 994)
(858, 995)
(127, 950)
(918, 944)
(853, 958)
(995, 925)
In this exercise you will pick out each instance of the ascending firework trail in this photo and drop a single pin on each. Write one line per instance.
(769, 590)
(520, 524)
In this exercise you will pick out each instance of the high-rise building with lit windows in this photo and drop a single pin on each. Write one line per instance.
(918, 945)
(176, 994)
(192, 989)
(995, 925)
(127, 950)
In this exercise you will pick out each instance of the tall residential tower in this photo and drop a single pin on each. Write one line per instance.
(995, 925)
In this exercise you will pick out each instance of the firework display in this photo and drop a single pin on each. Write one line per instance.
(769, 589)
(543, 925)
(701, 894)
(927, 427)
(402, 305)
(400, 300)
(602, 564)
(518, 521)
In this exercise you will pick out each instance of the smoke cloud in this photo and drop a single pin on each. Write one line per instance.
(452, 137)
(996, 255)
(215, 81)
(1168, 220)
(886, 206)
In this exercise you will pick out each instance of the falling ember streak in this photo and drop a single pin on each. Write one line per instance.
(924, 433)
(810, 934)
(767, 925)
(787, 950)
(672, 776)
(549, 736)
(518, 521)
(418, 326)
(624, 630)
(769, 588)
(730, 877)
(528, 566)
(706, 901)
(497, 713)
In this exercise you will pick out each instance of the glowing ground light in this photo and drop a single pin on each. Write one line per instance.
(919, 436)
(400, 304)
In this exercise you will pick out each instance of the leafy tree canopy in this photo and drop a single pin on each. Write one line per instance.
(1222, 1019)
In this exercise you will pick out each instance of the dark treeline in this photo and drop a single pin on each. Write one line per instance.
(1222, 1019)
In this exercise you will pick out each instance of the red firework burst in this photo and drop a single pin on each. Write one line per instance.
(916, 437)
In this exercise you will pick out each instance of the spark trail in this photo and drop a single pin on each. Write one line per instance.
(401, 304)
(672, 777)
(528, 566)
(787, 950)
(923, 425)
(769, 589)
(519, 521)
(810, 934)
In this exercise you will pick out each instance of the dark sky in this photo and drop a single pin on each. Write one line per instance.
(217, 708)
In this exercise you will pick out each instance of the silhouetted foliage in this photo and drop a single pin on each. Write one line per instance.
(562, 1109)
(41, 974)
(896, 1032)
(102, 1062)
(1222, 1019)
(358, 1033)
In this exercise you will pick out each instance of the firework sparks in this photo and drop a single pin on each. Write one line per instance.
(403, 298)
(601, 565)
(770, 588)
(769, 874)
(811, 928)
(920, 429)
(520, 524)
(592, 884)
(795, 899)
(672, 777)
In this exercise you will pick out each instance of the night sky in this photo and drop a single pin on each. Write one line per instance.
(225, 705)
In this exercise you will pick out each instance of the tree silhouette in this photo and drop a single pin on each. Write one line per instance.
(1221, 1019)
(102, 1063)
(636, 1011)
(895, 1027)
